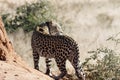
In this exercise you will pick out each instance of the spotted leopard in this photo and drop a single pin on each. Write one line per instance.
(61, 48)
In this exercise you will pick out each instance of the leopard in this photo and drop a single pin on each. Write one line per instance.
(59, 47)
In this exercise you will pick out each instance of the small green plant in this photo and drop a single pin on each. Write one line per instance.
(104, 63)
(28, 15)
(115, 38)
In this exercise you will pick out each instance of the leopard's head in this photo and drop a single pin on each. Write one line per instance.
(42, 28)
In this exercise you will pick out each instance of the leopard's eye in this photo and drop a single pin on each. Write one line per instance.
(41, 30)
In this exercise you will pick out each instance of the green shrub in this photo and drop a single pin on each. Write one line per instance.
(29, 15)
(103, 64)
(106, 65)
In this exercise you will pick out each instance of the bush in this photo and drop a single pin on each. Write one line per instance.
(29, 15)
(103, 64)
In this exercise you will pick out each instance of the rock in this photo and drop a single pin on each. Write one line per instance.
(12, 67)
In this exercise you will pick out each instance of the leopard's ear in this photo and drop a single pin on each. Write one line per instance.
(49, 23)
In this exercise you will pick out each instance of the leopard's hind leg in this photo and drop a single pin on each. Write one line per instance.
(61, 65)
(78, 69)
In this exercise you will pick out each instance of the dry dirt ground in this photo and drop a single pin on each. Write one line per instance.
(11, 71)
(15, 72)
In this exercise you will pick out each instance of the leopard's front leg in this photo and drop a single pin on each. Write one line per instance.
(47, 60)
(36, 60)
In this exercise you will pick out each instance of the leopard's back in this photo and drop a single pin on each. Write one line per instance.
(52, 46)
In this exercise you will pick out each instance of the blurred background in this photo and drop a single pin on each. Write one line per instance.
(94, 24)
